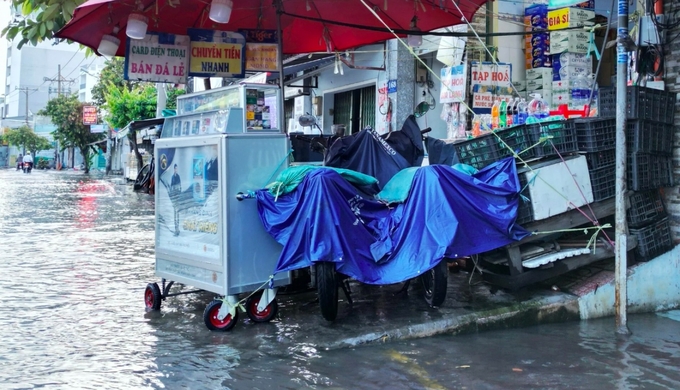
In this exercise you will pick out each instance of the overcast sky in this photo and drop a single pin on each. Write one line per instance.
(4, 20)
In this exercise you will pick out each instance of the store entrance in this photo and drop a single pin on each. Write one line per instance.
(355, 109)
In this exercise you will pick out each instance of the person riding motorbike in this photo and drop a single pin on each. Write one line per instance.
(28, 163)
(20, 162)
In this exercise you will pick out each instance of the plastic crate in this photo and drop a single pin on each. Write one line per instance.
(651, 104)
(518, 139)
(601, 159)
(478, 152)
(607, 103)
(648, 171)
(603, 183)
(561, 134)
(645, 207)
(649, 137)
(525, 211)
(653, 240)
(595, 134)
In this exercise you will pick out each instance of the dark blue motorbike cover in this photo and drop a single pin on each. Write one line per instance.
(368, 153)
(447, 214)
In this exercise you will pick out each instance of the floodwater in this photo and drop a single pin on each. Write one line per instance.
(77, 252)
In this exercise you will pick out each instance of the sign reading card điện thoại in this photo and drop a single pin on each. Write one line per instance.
(159, 58)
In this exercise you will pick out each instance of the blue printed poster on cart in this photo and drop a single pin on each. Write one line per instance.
(188, 201)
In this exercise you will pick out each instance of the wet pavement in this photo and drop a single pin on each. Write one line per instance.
(78, 251)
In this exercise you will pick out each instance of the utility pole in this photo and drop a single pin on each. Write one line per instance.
(27, 91)
(621, 262)
(59, 79)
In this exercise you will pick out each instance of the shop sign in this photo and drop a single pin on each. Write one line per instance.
(158, 58)
(262, 53)
(217, 54)
(98, 129)
(488, 73)
(454, 81)
(488, 81)
(89, 115)
(262, 57)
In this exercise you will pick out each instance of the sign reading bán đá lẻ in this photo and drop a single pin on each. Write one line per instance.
(216, 54)
(158, 58)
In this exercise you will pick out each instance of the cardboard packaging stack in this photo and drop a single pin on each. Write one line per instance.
(537, 52)
(536, 45)
(569, 50)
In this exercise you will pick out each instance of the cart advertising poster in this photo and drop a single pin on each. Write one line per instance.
(188, 203)
(217, 54)
(488, 81)
(158, 58)
(262, 52)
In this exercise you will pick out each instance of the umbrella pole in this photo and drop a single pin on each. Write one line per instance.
(279, 49)
(621, 261)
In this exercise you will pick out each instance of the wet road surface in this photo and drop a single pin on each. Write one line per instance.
(77, 252)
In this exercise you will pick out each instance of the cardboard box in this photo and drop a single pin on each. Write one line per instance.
(569, 72)
(541, 83)
(538, 40)
(539, 73)
(520, 85)
(536, 16)
(565, 96)
(574, 59)
(537, 62)
(569, 41)
(570, 17)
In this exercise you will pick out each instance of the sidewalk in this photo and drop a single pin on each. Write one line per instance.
(379, 315)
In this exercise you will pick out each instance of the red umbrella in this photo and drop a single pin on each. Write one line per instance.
(307, 25)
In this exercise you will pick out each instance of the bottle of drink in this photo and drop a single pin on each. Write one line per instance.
(503, 113)
(522, 113)
(509, 120)
(538, 108)
(495, 114)
(515, 112)
(580, 92)
(476, 126)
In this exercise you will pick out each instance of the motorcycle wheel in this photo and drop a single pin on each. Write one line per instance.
(327, 288)
(435, 283)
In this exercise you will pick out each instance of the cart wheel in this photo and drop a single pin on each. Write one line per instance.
(265, 315)
(211, 320)
(152, 296)
(435, 284)
(327, 288)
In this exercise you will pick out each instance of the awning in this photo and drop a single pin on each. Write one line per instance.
(295, 68)
(137, 125)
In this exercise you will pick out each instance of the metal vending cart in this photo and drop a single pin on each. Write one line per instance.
(223, 143)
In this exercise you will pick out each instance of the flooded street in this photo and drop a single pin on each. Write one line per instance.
(77, 252)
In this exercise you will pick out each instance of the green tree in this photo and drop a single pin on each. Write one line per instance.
(25, 139)
(66, 113)
(124, 106)
(46, 17)
(171, 101)
(111, 74)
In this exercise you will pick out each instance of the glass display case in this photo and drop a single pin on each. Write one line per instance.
(256, 104)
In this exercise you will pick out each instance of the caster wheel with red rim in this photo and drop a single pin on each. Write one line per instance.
(152, 296)
(265, 315)
(211, 320)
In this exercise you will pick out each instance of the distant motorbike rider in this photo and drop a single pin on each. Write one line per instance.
(28, 163)
(20, 162)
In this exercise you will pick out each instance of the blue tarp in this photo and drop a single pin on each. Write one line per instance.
(447, 214)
